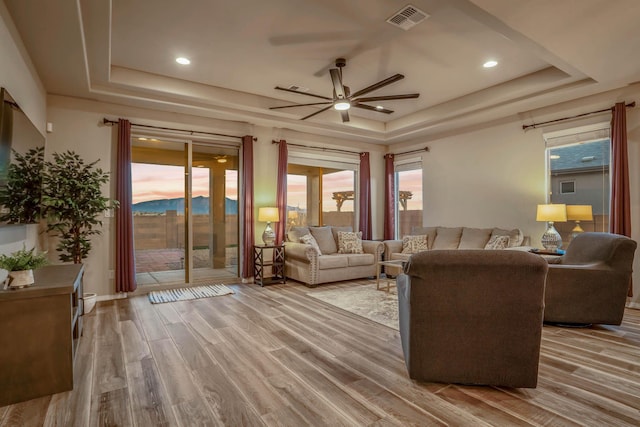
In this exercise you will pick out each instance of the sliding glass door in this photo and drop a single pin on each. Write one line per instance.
(185, 211)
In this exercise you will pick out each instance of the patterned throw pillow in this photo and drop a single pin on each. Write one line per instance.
(310, 240)
(415, 244)
(350, 242)
(498, 242)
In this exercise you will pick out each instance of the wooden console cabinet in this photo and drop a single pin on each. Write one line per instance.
(40, 329)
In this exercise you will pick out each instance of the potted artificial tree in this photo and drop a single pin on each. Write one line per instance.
(21, 197)
(72, 203)
(20, 265)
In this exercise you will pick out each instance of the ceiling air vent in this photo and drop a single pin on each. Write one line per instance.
(407, 17)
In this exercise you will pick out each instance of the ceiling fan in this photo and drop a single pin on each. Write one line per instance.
(343, 99)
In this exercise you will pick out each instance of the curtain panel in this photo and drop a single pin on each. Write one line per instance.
(389, 198)
(125, 274)
(281, 195)
(620, 212)
(365, 197)
(246, 206)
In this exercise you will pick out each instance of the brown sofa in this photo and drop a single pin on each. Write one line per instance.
(472, 317)
(304, 264)
(589, 283)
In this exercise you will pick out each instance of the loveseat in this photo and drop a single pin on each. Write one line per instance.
(454, 238)
(315, 255)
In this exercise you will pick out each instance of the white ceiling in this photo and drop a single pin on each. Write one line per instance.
(124, 51)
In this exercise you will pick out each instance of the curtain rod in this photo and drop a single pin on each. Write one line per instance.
(336, 150)
(525, 127)
(191, 132)
(420, 150)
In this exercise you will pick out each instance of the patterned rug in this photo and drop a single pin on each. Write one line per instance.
(183, 294)
(365, 301)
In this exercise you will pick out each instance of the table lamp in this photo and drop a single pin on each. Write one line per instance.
(550, 213)
(579, 213)
(268, 215)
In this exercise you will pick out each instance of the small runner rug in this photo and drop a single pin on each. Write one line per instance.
(184, 294)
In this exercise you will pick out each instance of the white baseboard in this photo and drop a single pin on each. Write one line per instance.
(635, 305)
(111, 297)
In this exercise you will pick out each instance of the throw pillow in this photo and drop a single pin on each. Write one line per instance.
(309, 240)
(516, 237)
(415, 244)
(497, 242)
(350, 242)
(324, 237)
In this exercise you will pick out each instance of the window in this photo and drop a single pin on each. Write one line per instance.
(578, 166)
(567, 187)
(321, 191)
(409, 207)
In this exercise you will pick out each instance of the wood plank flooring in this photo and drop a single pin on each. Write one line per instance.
(275, 357)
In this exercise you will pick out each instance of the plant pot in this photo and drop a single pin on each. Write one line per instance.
(89, 302)
(21, 279)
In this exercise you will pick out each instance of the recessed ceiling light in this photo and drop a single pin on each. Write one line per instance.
(490, 64)
(142, 139)
(182, 60)
(379, 107)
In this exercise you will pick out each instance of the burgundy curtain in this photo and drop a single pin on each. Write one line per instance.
(125, 256)
(389, 198)
(281, 195)
(246, 206)
(365, 196)
(620, 212)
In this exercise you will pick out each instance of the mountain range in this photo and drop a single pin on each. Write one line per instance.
(200, 206)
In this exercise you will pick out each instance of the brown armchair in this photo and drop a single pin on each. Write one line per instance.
(472, 316)
(589, 283)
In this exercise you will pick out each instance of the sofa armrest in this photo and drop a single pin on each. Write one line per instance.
(300, 251)
(392, 247)
(373, 247)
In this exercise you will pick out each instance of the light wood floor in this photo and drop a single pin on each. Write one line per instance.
(274, 356)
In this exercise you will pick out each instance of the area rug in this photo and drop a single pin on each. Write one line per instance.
(184, 294)
(365, 301)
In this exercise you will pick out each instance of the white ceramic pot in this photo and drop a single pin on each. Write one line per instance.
(20, 279)
(89, 302)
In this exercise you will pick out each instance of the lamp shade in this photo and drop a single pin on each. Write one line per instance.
(579, 213)
(552, 213)
(268, 215)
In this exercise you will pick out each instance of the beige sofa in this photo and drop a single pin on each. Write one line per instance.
(305, 264)
(456, 238)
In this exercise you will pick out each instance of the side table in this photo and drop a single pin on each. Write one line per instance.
(276, 262)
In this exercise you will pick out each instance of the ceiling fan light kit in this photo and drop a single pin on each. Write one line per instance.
(342, 99)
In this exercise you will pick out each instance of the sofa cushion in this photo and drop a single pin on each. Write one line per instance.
(355, 260)
(327, 262)
(474, 238)
(350, 242)
(447, 238)
(516, 237)
(404, 257)
(498, 242)
(296, 233)
(415, 244)
(324, 237)
(309, 240)
(429, 231)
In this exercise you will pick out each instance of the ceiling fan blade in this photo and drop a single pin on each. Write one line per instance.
(303, 93)
(345, 115)
(379, 85)
(337, 83)
(300, 105)
(372, 108)
(388, 97)
(317, 112)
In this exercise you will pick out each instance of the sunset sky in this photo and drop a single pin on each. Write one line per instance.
(157, 182)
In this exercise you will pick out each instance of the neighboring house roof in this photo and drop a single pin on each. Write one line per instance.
(581, 157)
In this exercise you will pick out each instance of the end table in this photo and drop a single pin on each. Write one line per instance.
(276, 263)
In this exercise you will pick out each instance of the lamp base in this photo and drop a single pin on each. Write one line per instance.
(551, 239)
(268, 236)
(576, 230)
